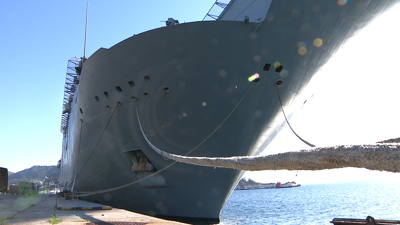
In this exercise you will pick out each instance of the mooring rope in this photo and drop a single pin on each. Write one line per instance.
(287, 121)
(104, 130)
(168, 166)
(372, 157)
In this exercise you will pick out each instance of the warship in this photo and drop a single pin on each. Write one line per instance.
(214, 88)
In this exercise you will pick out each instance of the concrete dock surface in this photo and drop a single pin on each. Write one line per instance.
(39, 209)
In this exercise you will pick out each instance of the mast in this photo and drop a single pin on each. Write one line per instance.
(84, 49)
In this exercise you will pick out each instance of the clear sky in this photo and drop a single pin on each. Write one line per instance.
(355, 98)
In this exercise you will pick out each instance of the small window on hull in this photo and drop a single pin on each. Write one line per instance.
(119, 89)
(267, 67)
(131, 84)
(97, 98)
(279, 69)
(106, 94)
(147, 78)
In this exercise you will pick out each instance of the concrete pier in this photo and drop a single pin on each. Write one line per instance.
(39, 209)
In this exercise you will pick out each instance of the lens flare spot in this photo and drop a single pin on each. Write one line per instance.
(295, 13)
(222, 73)
(152, 133)
(258, 114)
(284, 73)
(314, 61)
(341, 2)
(270, 16)
(256, 58)
(204, 104)
(302, 51)
(301, 44)
(107, 197)
(318, 42)
(316, 8)
(253, 77)
(277, 64)
(306, 27)
(184, 114)
(253, 36)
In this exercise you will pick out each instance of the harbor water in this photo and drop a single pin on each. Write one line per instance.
(314, 204)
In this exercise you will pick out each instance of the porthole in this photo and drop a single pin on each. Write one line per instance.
(279, 69)
(81, 110)
(147, 78)
(279, 83)
(267, 67)
(97, 98)
(145, 94)
(119, 89)
(131, 84)
(106, 94)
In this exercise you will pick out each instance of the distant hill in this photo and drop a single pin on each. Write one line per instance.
(393, 140)
(245, 181)
(35, 174)
(9, 173)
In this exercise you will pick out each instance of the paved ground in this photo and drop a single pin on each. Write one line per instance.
(38, 209)
(11, 205)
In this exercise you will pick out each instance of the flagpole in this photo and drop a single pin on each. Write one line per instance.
(84, 49)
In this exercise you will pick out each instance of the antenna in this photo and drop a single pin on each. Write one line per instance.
(84, 49)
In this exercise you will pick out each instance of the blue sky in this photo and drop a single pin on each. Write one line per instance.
(355, 99)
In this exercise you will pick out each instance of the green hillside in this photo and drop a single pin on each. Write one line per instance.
(35, 174)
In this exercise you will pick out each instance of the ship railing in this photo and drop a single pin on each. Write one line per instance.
(216, 10)
(71, 80)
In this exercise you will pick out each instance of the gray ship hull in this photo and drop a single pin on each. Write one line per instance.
(204, 66)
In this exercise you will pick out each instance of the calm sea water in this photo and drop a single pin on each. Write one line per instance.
(314, 204)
